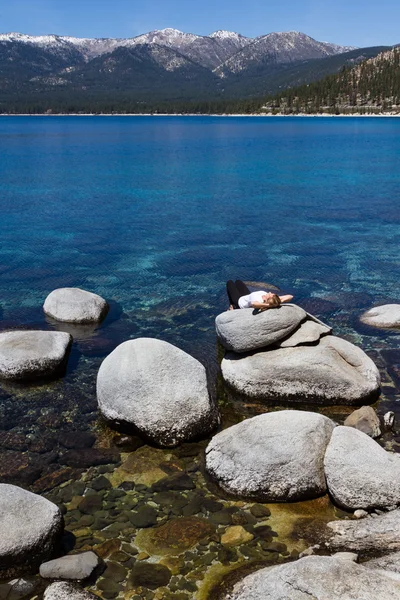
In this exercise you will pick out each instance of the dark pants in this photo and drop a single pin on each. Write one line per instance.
(235, 291)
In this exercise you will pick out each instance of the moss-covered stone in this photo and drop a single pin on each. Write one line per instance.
(221, 517)
(149, 575)
(260, 511)
(107, 548)
(176, 536)
(89, 505)
(173, 563)
(145, 466)
(145, 516)
(235, 536)
(115, 571)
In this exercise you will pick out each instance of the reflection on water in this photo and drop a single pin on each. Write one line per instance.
(155, 215)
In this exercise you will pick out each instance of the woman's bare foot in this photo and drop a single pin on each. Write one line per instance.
(231, 307)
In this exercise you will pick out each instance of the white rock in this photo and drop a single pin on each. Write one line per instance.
(245, 330)
(378, 534)
(30, 528)
(332, 372)
(388, 420)
(33, 354)
(317, 578)
(360, 514)
(385, 316)
(272, 457)
(309, 331)
(157, 388)
(74, 305)
(390, 562)
(352, 556)
(366, 420)
(72, 566)
(359, 472)
(66, 591)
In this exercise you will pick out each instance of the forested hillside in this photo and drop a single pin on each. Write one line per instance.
(373, 86)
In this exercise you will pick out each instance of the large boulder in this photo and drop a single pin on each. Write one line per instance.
(67, 591)
(309, 332)
(74, 305)
(158, 389)
(359, 472)
(317, 578)
(274, 457)
(28, 355)
(332, 372)
(366, 420)
(385, 316)
(374, 534)
(246, 329)
(389, 562)
(30, 529)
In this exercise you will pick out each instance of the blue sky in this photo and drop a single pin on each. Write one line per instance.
(347, 22)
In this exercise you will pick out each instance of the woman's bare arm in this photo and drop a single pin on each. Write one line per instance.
(286, 298)
(259, 305)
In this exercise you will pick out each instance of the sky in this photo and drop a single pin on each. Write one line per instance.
(346, 22)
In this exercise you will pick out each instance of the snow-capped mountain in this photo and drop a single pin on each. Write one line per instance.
(279, 48)
(209, 51)
(161, 64)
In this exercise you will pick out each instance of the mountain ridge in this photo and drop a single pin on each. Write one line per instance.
(168, 36)
(68, 74)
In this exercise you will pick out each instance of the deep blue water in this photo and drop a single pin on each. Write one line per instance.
(156, 213)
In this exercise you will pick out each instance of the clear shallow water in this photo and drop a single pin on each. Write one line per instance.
(155, 214)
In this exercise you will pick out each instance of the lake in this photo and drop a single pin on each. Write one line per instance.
(155, 214)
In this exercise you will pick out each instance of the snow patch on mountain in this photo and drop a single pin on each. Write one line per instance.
(222, 51)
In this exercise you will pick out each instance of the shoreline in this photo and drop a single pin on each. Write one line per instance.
(300, 115)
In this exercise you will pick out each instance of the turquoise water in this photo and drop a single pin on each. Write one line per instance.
(155, 214)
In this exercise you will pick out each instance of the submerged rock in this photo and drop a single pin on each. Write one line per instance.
(28, 355)
(74, 305)
(366, 420)
(149, 575)
(30, 528)
(319, 577)
(332, 372)
(176, 536)
(245, 330)
(359, 472)
(20, 589)
(370, 535)
(146, 466)
(385, 316)
(273, 457)
(158, 389)
(235, 536)
(74, 566)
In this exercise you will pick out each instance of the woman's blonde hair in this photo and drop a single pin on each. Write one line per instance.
(274, 301)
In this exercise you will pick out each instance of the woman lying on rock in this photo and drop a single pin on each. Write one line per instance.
(241, 297)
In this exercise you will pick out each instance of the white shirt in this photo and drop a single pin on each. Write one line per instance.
(246, 301)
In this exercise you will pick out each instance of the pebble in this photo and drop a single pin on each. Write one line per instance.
(259, 511)
(235, 536)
